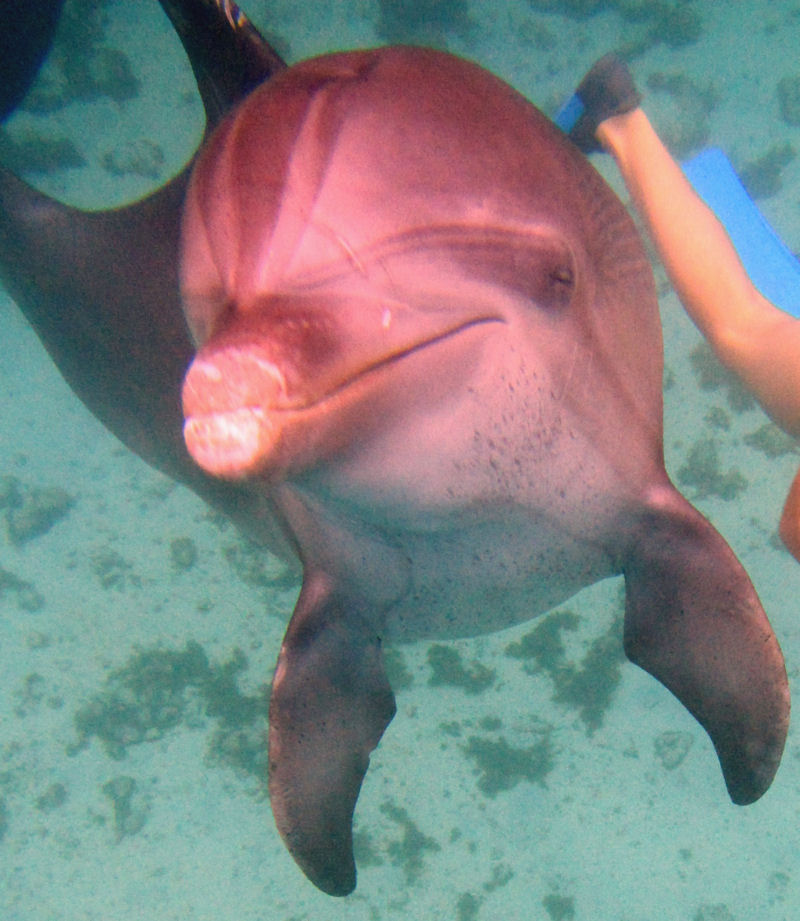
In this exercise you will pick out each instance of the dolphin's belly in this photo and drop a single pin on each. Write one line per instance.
(490, 576)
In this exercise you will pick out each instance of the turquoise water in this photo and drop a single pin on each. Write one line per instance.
(137, 632)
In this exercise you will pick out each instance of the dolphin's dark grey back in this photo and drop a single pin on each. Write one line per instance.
(93, 285)
(101, 288)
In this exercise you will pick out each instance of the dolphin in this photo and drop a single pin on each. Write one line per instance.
(427, 366)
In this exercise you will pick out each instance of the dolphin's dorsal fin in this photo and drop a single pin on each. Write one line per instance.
(229, 56)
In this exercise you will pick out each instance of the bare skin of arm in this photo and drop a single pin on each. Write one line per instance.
(749, 335)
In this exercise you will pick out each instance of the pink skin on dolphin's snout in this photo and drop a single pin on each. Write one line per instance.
(253, 369)
(227, 394)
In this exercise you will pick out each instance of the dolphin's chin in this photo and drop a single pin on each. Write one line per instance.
(231, 444)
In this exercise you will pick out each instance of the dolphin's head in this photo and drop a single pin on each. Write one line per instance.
(384, 271)
(340, 268)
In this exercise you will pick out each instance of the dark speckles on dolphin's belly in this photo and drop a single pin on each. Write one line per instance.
(474, 580)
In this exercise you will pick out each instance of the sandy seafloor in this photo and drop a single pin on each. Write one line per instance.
(615, 831)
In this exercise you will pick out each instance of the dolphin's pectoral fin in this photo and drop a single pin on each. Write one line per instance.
(330, 704)
(694, 621)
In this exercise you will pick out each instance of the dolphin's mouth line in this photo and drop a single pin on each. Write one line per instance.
(234, 439)
(385, 362)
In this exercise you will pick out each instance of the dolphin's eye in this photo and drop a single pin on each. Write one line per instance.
(563, 275)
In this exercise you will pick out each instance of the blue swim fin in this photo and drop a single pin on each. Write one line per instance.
(771, 265)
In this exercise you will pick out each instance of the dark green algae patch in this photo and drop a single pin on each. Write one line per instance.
(158, 689)
(502, 766)
(587, 686)
(447, 668)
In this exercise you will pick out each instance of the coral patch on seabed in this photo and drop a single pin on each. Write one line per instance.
(30, 511)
